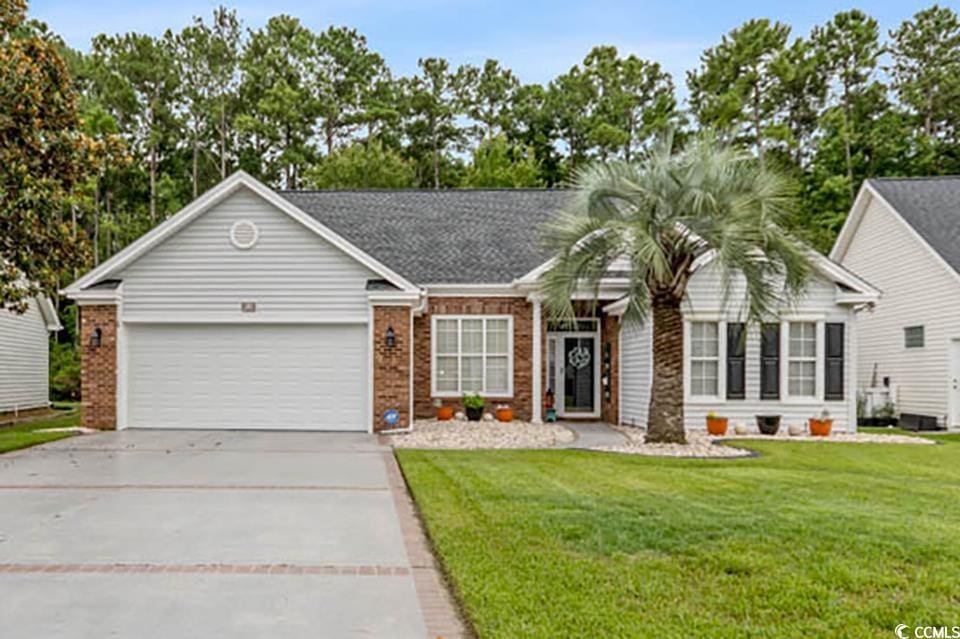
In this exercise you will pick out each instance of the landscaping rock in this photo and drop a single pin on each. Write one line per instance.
(700, 444)
(429, 433)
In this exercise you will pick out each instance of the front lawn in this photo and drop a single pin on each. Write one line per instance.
(809, 539)
(24, 435)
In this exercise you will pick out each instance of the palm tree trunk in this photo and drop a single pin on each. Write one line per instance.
(665, 422)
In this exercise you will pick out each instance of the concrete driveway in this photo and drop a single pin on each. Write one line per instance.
(213, 534)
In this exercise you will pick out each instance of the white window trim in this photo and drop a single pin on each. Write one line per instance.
(721, 396)
(434, 392)
(819, 331)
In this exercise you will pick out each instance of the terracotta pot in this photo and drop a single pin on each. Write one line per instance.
(717, 425)
(444, 413)
(820, 427)
(504, 414)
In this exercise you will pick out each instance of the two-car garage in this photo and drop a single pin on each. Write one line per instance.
(258, 376)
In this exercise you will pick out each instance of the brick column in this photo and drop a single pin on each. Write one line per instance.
(391, 365)
(610, 344)
(98, 366)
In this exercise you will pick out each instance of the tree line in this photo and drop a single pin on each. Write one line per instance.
(300, 109)
(167, 117)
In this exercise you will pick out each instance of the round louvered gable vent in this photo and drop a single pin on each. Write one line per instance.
(244, 234)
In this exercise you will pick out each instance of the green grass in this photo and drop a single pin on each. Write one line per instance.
(807, 540)
(23, 435)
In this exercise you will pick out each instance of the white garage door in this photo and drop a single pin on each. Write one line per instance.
(296, 377)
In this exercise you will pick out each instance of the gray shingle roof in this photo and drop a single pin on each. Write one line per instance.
(932, 207)
(477, 236)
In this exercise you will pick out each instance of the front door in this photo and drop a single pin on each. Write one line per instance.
(579, 383)
(954, 388)
(574, 366)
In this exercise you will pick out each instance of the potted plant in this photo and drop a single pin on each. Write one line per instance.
(504, 413)
(768, 424)
(716, 425)
(820, 426)
(444, 413)
(473, 403)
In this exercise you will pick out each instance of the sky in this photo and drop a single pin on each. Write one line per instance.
(538, 40)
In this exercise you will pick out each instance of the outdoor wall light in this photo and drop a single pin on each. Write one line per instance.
(95, 337)
(391, 337)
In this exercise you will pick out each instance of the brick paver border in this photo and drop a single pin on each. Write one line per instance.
(219, 569)
(439, 609)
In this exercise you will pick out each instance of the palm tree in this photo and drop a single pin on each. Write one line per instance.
(662, 214)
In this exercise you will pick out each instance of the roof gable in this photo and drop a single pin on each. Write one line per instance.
(931, 206)
(206, 202)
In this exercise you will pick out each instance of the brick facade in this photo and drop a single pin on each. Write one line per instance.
(522, 312)
(98, 366)
(610, 368)
(391, 365)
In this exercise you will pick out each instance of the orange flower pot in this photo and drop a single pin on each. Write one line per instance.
(504, 414)
(820, 427)
(445, 413)
(717, 425)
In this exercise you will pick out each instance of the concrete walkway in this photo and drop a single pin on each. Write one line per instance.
(160, 534)
(592, 434)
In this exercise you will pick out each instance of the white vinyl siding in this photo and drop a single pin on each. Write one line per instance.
(24, 367)
(472, 354)
(704, 300)
(266, 376)
(636, 372)
(915, 284)
(291, 274)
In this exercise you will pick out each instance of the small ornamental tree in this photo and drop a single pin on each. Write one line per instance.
(42, 157)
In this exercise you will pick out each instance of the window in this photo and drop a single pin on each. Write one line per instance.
(802, 359)
(473, 354)
(913, 337)
(704, 359)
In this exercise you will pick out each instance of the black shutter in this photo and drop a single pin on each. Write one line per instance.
(770, 361)
(736, 361)
(833, 378)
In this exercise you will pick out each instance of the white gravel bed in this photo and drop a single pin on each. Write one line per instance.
(699, 444)
(430, 433)
(853, 438)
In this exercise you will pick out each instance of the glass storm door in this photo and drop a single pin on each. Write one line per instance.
(579, 361)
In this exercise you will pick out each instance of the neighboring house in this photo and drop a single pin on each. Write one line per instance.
(24, 356)
(330, 310)
(903, 236)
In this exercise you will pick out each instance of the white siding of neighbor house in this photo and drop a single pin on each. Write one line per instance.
(291, 274)
(705, 301)
(24, 360)
(917, 290)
